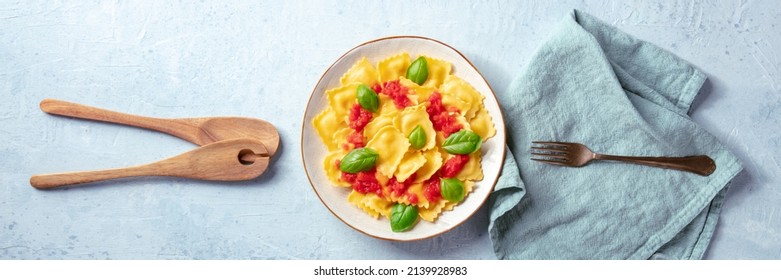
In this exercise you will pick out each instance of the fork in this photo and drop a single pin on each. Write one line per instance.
(577, 155)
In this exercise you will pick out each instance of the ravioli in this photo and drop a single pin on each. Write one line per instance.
(391, 146)
(386, 106)
(326, 123)
(377, 204)
(437, 71)
(379, 122)
(422, 92)
(432, 165)
(332, 170)
(362, 72)
(410, 163)
(341, 99)
(483, 124)
(472, 169)
(357, 199)
(456, 87)
(455, 102)
(393, 67)
(340, 138)
(432, 212)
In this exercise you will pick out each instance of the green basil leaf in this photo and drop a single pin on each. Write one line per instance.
(368, 98)
(417, 138)
(462, 142)
(451, 189)
(418, 71)
(358, 160)
(403, 217)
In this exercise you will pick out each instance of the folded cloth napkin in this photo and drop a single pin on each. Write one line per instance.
(592, 84)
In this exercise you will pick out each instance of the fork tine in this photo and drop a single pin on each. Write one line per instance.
(562, 157)
(554, 162)
(560, 150)
(549, 143)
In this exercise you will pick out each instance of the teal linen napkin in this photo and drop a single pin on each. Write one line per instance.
(593, 84)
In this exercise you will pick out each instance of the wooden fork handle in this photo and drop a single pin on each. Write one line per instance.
(701, 165)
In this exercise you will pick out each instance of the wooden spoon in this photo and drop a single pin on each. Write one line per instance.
(200, 131)
(218, 161)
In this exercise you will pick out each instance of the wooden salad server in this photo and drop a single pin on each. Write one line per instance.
(219, 161)
(200, 131)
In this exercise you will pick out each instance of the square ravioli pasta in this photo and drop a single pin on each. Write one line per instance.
(404, 138)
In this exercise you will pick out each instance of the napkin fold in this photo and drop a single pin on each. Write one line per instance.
(593, 84)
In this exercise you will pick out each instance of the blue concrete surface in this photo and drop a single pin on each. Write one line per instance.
(204, 58)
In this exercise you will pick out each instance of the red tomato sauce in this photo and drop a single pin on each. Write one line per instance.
(349, 177)
(359, 117)
(356, 138)
(444, 119)
(399, 188)
(453, 166)
(397, 93)
(412, 198)
(377, 88)
(364, 182)
(431, 189)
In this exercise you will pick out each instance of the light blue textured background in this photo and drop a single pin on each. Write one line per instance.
(172, 59)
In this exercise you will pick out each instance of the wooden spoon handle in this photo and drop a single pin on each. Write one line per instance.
(171, 126)
(47, 181)
(226, 160)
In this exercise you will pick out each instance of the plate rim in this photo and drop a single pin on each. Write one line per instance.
(503, 140)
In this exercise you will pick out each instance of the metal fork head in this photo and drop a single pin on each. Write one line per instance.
(561, 153)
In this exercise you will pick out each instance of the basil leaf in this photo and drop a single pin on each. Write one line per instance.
(462, 142)
(451, 189)
(417, 138)
(418, 71)
(403, 217)
(358, 160)
(368, 98)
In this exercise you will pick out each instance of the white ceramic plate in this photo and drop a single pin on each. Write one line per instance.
(314, 151)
